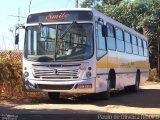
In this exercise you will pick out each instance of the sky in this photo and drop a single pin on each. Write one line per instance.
(9, 8)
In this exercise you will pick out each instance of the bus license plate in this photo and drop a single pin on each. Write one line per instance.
(82, 86)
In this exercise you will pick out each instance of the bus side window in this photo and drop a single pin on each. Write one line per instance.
(119, 40)
(140, 47)
(127, 39)
(145, 48)
(111, 42)
(101, 45)
(134, 45)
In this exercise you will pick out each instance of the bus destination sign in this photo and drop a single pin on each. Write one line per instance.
(60, 16)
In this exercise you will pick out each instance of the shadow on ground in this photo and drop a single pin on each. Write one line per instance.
(145, 98)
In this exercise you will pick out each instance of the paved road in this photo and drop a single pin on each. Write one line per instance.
(146, 101)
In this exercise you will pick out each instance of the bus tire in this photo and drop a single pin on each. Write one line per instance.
(106, 94)
(134, 88)
(53, 95)
(112, 78)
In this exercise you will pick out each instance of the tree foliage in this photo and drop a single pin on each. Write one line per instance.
(96, 4)
(141, 15)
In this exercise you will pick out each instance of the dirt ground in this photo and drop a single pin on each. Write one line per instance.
(146, 101)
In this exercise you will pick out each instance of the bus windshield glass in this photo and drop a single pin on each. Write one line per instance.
(62, 42)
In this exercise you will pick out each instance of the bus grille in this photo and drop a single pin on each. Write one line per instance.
(55, 87)
(55, 73)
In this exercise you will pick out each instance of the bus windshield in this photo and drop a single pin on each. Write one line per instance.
(59, 42)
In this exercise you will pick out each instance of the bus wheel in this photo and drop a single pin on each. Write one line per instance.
(53, 95)
(135, 87)
(106, 94)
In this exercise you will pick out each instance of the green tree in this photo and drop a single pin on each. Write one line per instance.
(96, 4)
(151, 25)
(141, 15)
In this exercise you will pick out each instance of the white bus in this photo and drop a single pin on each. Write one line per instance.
(82, 51)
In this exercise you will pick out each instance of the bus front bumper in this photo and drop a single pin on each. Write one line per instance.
(81, 86)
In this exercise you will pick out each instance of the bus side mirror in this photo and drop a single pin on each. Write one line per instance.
(104, 31)
(17, 39)
(23, 27)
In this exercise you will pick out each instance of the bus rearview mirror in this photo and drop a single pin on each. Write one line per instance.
(23, 27)
(17, 39)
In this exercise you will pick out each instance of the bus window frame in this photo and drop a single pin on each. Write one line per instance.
(114, 36)
(105, 40)
(140, 46)
(145, 48)
(135, 44)
(128, 42)
(120, 39)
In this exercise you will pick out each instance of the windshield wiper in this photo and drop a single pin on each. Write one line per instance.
(64, 33)
(67, 29)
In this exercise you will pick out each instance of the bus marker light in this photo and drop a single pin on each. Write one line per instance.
(81, 86)
(89, 68)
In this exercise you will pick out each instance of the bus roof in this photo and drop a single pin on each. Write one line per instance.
(101, 15)
(63, 9)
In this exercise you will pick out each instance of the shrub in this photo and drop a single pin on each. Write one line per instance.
(153, 75)
(11, 80)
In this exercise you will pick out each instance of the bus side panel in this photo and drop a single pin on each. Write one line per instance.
(128, 65)
(125, 77)
(102, 74)
(141, 63)
(125, 72)
(125, 66)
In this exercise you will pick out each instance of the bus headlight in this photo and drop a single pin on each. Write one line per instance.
(88, 74)
(26, 74)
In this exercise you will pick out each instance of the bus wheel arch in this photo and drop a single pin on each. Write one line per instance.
(112, 78)
(135, 87)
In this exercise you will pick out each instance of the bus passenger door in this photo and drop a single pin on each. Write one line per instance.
(101, 83)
